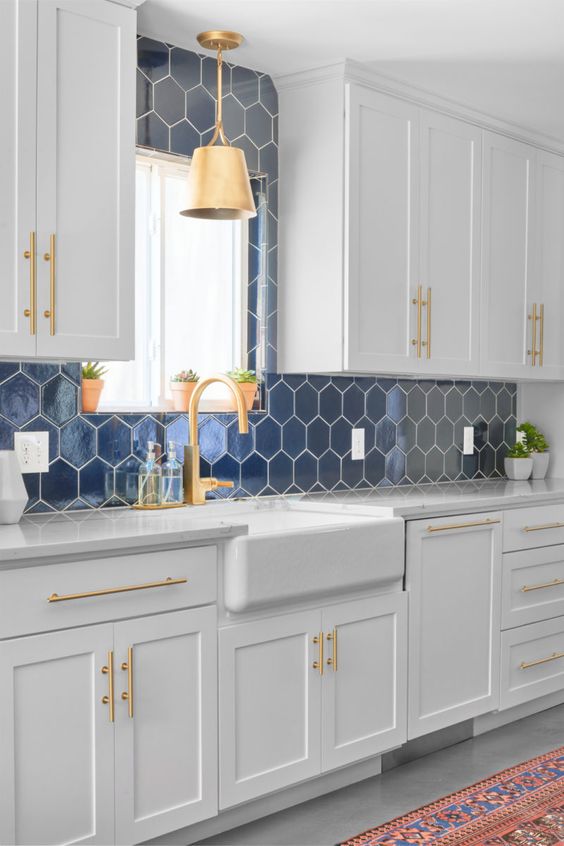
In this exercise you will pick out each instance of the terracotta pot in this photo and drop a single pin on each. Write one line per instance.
(181, 393)
(249, 391)
(91, 390)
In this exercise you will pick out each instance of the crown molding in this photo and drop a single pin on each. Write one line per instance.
(131, 4)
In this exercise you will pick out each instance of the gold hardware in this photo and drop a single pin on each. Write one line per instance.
(50, 312)
(31, 312)
(318, 665)
(543, 526)
(418, 301)
(469, 525)
(541, 335)
(138, 506)
(332, 662)
(128, 665)
(123, 589)
(534, 352)
(554, 657)
(428, 304)
(195, 488)
(553, 583)
(109, 671)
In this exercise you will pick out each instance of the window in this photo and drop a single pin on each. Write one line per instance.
(191, 280)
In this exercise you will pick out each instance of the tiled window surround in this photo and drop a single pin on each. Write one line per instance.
(302, 442)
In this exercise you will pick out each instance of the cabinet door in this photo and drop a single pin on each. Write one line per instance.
(85, 186)
(453, 579)
(166, 747)
(365, 679)
(450, 216)
(380, 231)
(17, 175)
(269, 705)
(550, 255)
(506, 302)
(56, 739)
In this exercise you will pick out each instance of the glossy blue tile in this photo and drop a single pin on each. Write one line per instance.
(209, 76)
(254, 474)
(59, 400)
(307, 403)
(19, 399)
(305, 471)
(268, 437)
(185, 67)
(395, 466)
(169, 101)
(40, 373)
(341, 436)
(281, 402)
(293, 437)
(227, 469)
(184, 139)
(351, 471)
(213, 439)
(177, 432)
(374, 467)
(245, 86)
(375, 403)
(114, 441)
(7, 369)
(396, 404)
(281, 472)
(330, 403)
(353, 403)
(96, 482)
(72, 370)
(59, 487)
(250, 150)
(233, 117)
(268, 95)
(318, 432)
(6, 434)
(153, 58)
(385, 435)
(200, 108)
(31, 481)
(148, 430)
(329, 470)
(152, 131)
(144, 95)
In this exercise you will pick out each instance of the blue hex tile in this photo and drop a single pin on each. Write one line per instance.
(258, 125)
(227, 469)
(396, 404)
(415, 464)
(200, 108)
(268, 437)
(238, 445)
(341, 436)
(213, 439)
(385, 435)
(249, 149)
(209, 76)
(268, 95)
(153, 58)
(351, 471)
(185, 67)
(281, 402)
(177, 432)
(268, 161)
(233, 117)
(148, 430)
(126, 479)
(395, 466)
(40, 372)
(505, 404)
(19, 399)
(353, 404)
(169, 101)
(453, 404)
(144, 95)
(307, 403)
(152, 131)
(114, 441)
(318, 436)
(374, 467)
(6, 434)
(471, 404)
(375, 404)
(426, 434)
(329, 470)
(293, 437)
(406, 434)
(435, 404)
(7, 369)
(434, 464)
(40, 424)
(59, 487)
(73, 371)
(330, 403)
(245, 85)
(184, 139)
(254, 474)
(281, 472)
(369, 432)
(305, 471)
(59, 400)
(453, 462)
(444, 433)
(96, 482)
(78, 442)
(31, 481)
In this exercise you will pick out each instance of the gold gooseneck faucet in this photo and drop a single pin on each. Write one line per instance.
(195, 488)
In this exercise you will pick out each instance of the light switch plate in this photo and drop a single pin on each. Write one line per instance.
(32, 449)
(468, 445)
(357, 444)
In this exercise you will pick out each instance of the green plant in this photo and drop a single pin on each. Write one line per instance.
(534, 440)
(239, 375)
(185, 376)
(518, 450)
(93, 370)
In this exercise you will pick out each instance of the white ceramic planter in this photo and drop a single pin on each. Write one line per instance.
(13, 495)
(518, 469)
(540, 464)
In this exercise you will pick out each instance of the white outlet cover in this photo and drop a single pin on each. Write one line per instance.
(468, 445)
(32, 449)
(357, 444)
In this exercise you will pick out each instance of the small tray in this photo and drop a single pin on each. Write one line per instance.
(164, 505)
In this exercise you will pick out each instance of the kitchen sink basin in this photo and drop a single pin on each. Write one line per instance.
(295, 552)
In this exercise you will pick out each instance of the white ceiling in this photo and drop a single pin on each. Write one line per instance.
(503, 57)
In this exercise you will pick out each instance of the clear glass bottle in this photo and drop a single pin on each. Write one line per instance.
(172, 484)
(150, 478)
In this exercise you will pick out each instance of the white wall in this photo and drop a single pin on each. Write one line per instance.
(543, 405)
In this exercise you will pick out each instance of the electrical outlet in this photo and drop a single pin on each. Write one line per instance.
(32, 449)
(468, 445)
(357, 444)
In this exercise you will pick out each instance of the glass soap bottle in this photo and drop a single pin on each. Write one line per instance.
(150, 478)
(172, 485)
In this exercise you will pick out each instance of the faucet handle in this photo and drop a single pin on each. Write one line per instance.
(219, 484)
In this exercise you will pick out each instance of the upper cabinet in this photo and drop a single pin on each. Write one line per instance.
(67, 208)
(412, 241)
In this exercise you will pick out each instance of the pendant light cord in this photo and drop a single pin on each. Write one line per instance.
(219, 131)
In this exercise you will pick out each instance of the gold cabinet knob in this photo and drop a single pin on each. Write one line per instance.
(46, 313)
(125, 695)
(105, 670)
(27, 312)
(105, 700)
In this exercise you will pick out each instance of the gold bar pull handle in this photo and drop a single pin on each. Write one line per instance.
(31, 312)
(122, 589)
(50, 312)
(541, 336)
(553, 583)
(332, 661)
(525, 665)
(542, 526)
(469, 525)
(108, 670)
(318, 665)
(127, 696)
(533, 352)
(418, 301)
(428, 304)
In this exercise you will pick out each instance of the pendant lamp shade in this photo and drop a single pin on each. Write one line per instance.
(219, 187)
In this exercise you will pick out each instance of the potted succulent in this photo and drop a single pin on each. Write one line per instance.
(537, 445)
(92, 385)
(182, 386)
(247, 381)
(518, 462)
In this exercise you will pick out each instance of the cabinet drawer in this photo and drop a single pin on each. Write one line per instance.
(24, 594)
(533, 586)
(532, 662)
(525, 528)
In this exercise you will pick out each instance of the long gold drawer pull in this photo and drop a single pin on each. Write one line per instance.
(128, 695)
(428, 323)
(318, 665)
(524, 665)
(332, 661)
(109, 699)
(50, 312)
(31, 312)
(469, 525)
(553, 583)
(123, 589)
(543, 526)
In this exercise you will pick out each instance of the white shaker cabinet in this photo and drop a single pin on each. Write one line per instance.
(453, 579)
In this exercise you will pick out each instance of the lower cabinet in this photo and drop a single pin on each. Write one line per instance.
(532, 661)
(108, 732)
(307, 692)
(453, 579)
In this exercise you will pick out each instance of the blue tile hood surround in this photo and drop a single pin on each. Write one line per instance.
(413, 429)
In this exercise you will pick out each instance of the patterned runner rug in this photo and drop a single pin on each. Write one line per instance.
(522, 806)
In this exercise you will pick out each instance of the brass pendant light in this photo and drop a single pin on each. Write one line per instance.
(219, 187)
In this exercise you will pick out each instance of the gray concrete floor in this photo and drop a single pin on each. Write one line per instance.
(336, 816)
